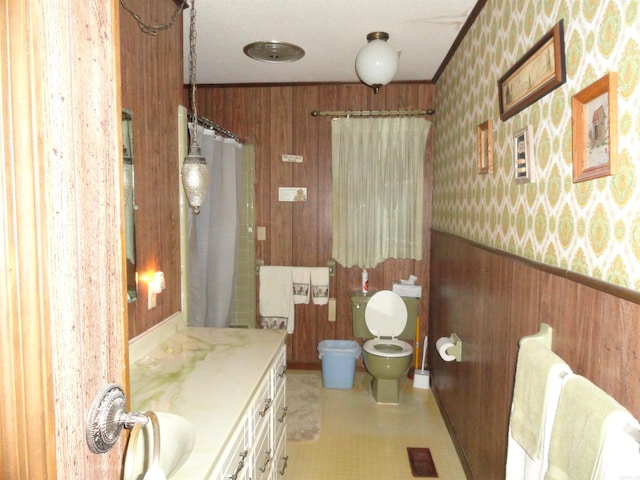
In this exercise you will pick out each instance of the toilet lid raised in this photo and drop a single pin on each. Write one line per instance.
(386, 314)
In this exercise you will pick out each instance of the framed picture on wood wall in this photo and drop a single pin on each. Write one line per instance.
(523, 155)
(595, 129)
(540, 71)
(485, 147)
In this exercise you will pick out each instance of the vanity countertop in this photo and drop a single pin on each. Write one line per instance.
(207, 375)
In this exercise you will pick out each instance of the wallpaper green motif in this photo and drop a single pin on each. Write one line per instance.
(590, 227)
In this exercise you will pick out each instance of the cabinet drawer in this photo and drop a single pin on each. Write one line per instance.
(279, 414)
(262, 455)
(280, 370)
(236, 458)
(262, 405)
(280, 458)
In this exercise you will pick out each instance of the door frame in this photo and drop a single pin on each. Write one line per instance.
(62, 295)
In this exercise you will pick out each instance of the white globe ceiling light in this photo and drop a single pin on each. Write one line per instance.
(377, 62)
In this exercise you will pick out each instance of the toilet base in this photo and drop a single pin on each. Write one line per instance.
(385, 390)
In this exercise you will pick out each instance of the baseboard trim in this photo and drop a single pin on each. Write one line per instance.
(452, 433)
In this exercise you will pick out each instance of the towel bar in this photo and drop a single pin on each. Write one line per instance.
(331, 265)
(633, 431)
(544, 336)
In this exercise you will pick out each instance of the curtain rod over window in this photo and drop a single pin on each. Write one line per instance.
(205, 122)
(373, 113)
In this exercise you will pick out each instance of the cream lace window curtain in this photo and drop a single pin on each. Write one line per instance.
(378, 183)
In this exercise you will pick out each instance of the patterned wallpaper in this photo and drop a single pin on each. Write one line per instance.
(591, 227)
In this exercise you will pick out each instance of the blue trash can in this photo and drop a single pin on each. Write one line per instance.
(338, 362)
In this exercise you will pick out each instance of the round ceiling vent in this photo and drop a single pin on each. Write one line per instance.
(274, 52)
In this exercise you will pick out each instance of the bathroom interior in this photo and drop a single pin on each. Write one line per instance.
(485, 278)
(498, 258)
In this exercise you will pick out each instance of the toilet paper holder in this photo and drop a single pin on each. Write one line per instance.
(450, 348)
(456, 349)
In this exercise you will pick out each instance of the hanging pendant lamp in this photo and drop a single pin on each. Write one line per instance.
(195, 175)
(377, 62)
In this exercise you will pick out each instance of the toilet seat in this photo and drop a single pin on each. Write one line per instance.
(386, 316)
(385, 347)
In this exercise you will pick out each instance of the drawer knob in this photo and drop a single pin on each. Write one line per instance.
(284, 414)
(267, 405)
(239, 467)
(267, 459)
(284, 467)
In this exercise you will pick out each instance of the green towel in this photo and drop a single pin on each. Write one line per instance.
(536, 368)
(579, 430)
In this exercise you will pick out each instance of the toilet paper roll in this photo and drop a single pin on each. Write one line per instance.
(442, 345)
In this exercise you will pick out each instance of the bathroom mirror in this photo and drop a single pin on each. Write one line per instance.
(129, 202)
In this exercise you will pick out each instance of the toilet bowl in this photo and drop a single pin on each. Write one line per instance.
(386, 358)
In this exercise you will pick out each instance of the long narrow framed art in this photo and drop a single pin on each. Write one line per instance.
(540, 71)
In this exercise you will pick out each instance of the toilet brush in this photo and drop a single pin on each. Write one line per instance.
(424, 353)
(421, 377)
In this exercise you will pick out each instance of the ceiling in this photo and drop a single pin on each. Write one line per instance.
(330, 31)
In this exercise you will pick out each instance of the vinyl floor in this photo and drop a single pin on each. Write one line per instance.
(362, 440)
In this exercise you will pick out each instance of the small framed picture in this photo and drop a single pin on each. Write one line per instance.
(523, 155)
(595, 129)
(485, 147)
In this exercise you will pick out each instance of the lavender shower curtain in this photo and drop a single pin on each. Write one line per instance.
(213, 234)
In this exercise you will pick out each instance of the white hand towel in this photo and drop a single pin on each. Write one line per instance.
(301, 284)
(320, 285)
(540, 374)
(276, 296)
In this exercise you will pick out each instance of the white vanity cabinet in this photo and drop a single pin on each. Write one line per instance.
(269, 462)
(262, 425)
(257, 450)
(230, 384)
(279, 421)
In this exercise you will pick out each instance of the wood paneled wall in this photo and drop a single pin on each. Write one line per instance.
(152, 87)
(277, 120)
(491, 300)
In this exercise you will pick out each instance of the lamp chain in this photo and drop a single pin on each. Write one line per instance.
(154, 29)
(192, 60)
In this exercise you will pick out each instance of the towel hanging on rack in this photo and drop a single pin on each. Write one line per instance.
(589, 438)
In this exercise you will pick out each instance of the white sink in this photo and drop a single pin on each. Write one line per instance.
(177, 437)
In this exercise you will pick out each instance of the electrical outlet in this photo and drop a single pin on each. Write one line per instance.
(151, 300)
(332, 310)
(261, 233)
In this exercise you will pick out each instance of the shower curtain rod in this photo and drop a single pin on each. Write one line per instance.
(373, 113)
(205, 122)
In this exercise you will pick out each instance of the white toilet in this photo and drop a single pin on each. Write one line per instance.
(386, 357)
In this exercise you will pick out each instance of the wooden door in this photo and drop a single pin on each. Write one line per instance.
(62, 298)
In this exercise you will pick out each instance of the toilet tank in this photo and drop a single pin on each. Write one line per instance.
(358, 305)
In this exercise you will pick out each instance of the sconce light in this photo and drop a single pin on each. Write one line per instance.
(155, 284)
(377, 62)
(195, 176)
